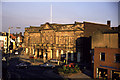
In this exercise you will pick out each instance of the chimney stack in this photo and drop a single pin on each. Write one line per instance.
(108, 23)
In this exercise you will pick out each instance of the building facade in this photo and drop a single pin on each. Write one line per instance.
(107, 63)
(106, 38)
(106, 45)
(19, 39)
(52, 40)
(4, 39)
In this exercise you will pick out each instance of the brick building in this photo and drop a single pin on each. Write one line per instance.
(106, 53)
(107, 63)
(4, 40)
(105, 38)
(84, 44)
(19, 39)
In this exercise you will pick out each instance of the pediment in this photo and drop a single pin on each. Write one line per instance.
(46, 27)
(79, 27)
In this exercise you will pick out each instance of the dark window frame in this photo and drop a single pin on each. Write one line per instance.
(102, 56)
(117, 60)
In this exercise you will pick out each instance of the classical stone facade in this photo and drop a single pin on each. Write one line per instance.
(52, 40)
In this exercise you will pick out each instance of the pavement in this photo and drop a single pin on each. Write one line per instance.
(75, 76)
(78, 76)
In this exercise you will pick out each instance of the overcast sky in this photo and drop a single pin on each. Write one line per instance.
(22, 14)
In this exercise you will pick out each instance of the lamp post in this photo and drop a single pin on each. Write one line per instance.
(9, 38)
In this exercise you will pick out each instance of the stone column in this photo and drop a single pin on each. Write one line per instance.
(51, 53)
(44, 59)
(61, 51)
(35, 52)
(54, 53)
(30, 50)
(40, 52)
(26, 51)
(57, 54)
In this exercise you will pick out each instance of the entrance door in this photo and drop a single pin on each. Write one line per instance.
(51, 51)
(37, 52)
(41, 56)
(63, 56)
(46, 54)
(69, 57)
(115, 75)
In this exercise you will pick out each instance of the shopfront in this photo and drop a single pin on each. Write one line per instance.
(115, 75)
(102, 73)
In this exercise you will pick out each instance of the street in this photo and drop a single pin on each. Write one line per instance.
(32, 72)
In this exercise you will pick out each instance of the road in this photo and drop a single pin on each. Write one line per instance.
(10, 72)
(32, 72)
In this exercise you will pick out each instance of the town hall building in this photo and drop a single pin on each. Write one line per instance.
(52, 41)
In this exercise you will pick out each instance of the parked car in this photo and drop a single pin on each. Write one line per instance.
(31, 57)
(16, 52)
(3, 59)
(47, 65)
(21, 65)
(53, 60)
(56, 61)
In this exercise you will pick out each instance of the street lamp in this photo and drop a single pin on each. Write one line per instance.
(9, 38)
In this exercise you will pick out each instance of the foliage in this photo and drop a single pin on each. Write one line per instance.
(64, 68)
(68, 69)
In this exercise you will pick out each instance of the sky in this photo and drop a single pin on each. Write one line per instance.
(24, 14)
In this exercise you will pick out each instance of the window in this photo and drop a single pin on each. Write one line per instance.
(117, 58)
(102, 56)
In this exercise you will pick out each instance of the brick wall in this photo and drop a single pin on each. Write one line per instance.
(109, 60)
